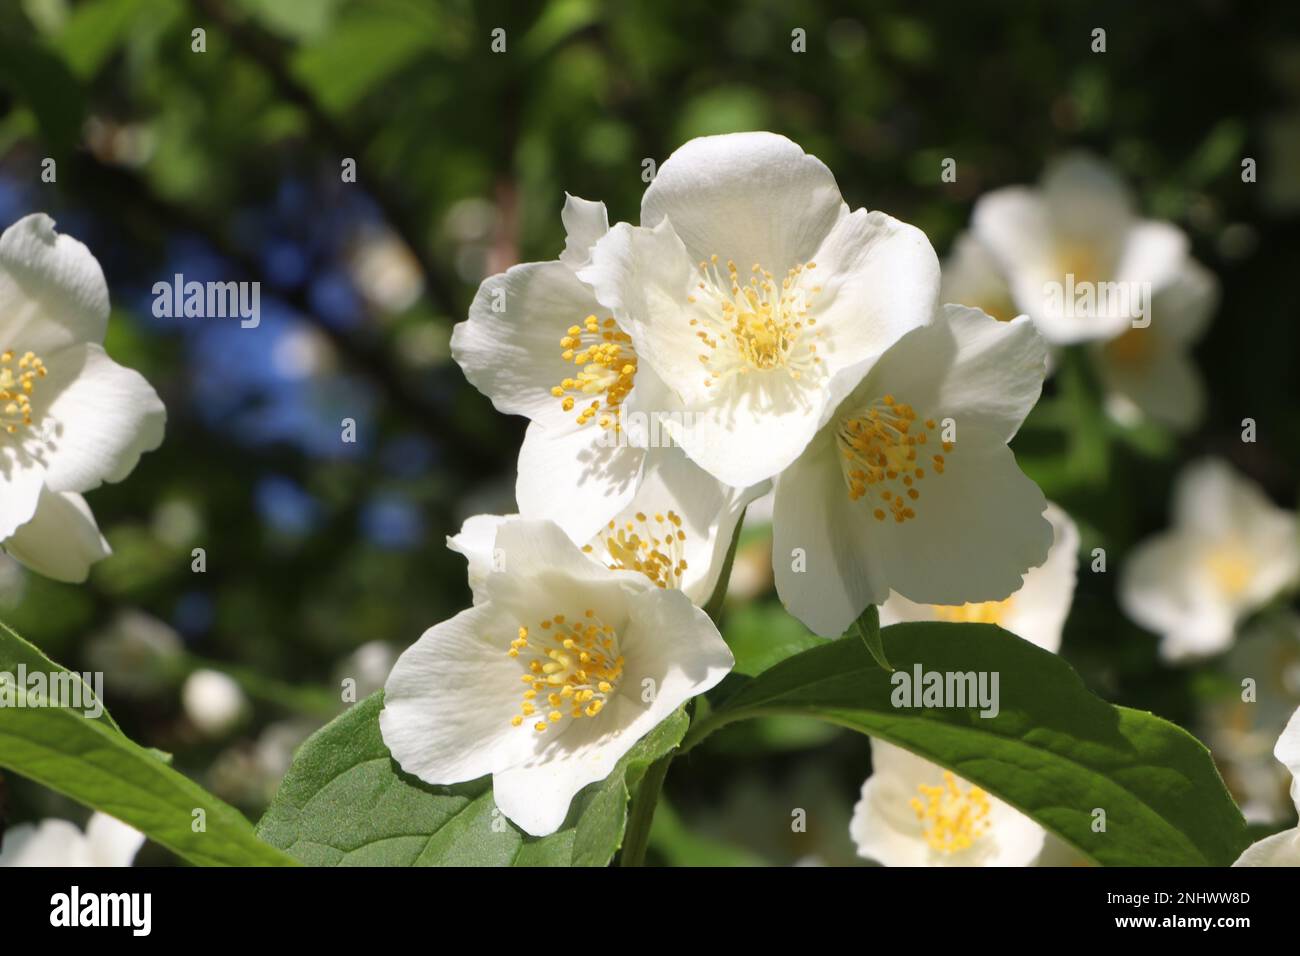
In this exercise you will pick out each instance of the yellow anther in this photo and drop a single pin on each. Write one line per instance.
(954, 816)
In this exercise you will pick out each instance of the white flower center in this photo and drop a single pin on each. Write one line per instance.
(880, 457)
(572, 669)
(17, 382)
(759, 326)
(1231, 568)
(653, 549)
(607, 366)
(954, 816)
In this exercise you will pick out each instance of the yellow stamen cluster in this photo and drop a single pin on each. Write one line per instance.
(759, 325)
(954, 817)
(985, 612)
(573, 668)
(881, 449)
(607, 362)
(17, 382)
(653, 549)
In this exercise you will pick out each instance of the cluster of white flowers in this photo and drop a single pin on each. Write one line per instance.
(751, 333)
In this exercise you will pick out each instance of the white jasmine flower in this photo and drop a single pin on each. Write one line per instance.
(915, 813)
(675, 531)
(70, 417)
(550, 680)
(1148, 372)
(757, 297)
(1036, 612)
(213, 701)
(106, 842)
(1281, 849)
(539, 345)
(1230, 552)
(910, 486)
(1078, 231)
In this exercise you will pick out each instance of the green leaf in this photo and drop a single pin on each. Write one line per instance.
(1054, 750)
(867, 627)
(16, 652)
(346, 802)
(42, 81)
(761, 635)
(89, 760)
(368, 46)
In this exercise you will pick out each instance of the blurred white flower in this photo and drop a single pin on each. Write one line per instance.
(137, 653)
(213, 701)
(106, 842)
(1148, 373)
(757, 297)
(915, 813)
(369, 665)
(1079, 223)
(973, 276)
(550, 680)
(385, 270)
(1230, 551)
(910, 486)
(1036, 612)
(1281, 849)
(70, 417)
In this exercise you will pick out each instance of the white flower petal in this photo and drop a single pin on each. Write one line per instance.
(973, 276)
(584, 223)
(760, 425)
(96, 417)
(52, 290)
(981, 372)
(1089, 206)
(1039, 609)
(826, 568)
(751, 197)
(1014, 225)
(880, 280)
(542, 570)
(21, 483)
(62, 540)
(572, 478)
(112, 842)
(646, 277)
(513, 356)
(52, 843)
(1164, 387)
(1287, 752)
(477, 542)
(450, 697)
(1154, 252)
(1280, 849)
(1036, 612)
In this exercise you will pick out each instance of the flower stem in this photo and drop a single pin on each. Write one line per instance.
(642, 814)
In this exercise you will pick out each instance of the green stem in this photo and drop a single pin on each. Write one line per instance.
(642, 814)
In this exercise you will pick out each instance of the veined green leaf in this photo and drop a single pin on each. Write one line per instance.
(346, 802)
